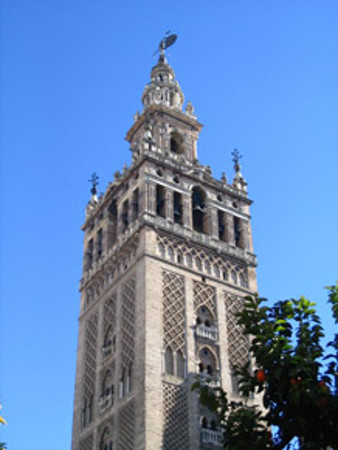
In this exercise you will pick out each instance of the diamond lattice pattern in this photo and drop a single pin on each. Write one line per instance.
(90, 355)
(204, 295)
(176, 424)
(125, 427)
(128, 323)
(173, 311)
(238, 343)
(87, 443)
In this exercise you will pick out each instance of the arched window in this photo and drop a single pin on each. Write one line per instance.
(108, 343)
(176, 143)
(106, 442)
(199, 216)
(180, 364)
(169, 361)
(204, 317)
(207, 361)
(107, 386)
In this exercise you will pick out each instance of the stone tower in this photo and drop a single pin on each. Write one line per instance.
(168, 258)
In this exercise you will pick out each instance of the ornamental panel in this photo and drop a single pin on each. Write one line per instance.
(90, 355)
(87, 442)
(128, 322)
(173, 312)
(204, 295)
(126, 427)
(238, 343)
(176, 417)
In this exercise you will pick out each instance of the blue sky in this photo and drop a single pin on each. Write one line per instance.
(262, 76)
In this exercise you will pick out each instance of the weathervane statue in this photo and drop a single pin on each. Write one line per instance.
(166, 42)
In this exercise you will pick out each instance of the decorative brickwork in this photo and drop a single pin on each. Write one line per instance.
(128, 323)
(176, 420)
(238, 343)
(87, 442)
(202, 260)
(173, 312)
(126, 427)
(90, 355)
(204, 295)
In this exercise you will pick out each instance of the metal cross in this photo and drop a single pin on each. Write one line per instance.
(94, 182)
(236, 156)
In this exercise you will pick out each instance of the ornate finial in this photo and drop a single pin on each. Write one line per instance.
(236, 156)
(94, 182)
(166, 42)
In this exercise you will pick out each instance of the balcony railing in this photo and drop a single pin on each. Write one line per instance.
(213, 380)
(207, 332)
(211, 437)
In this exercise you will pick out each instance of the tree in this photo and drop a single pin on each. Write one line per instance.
(294, 375)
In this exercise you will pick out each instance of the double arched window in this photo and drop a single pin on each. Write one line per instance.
(174, 363)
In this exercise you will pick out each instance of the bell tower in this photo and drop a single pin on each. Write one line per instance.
(168, 258)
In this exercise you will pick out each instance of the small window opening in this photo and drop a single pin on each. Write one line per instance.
(90, 251)
(125, 221)
(238, 232)
(176, 143)
(169, 361)
(180, 365)
(221, 226)
(200, 218)
(178, 216)
(204, 422)
(160, 201)
(128, 380)
(112, 215)
(205, 317)
(159, 173)
(213, 425)
(122, 384)
(99, 244)
(135, 204)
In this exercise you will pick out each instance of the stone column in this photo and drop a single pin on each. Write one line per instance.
(230, 233)
(187, 212)
(169, 205)
(213, 220)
